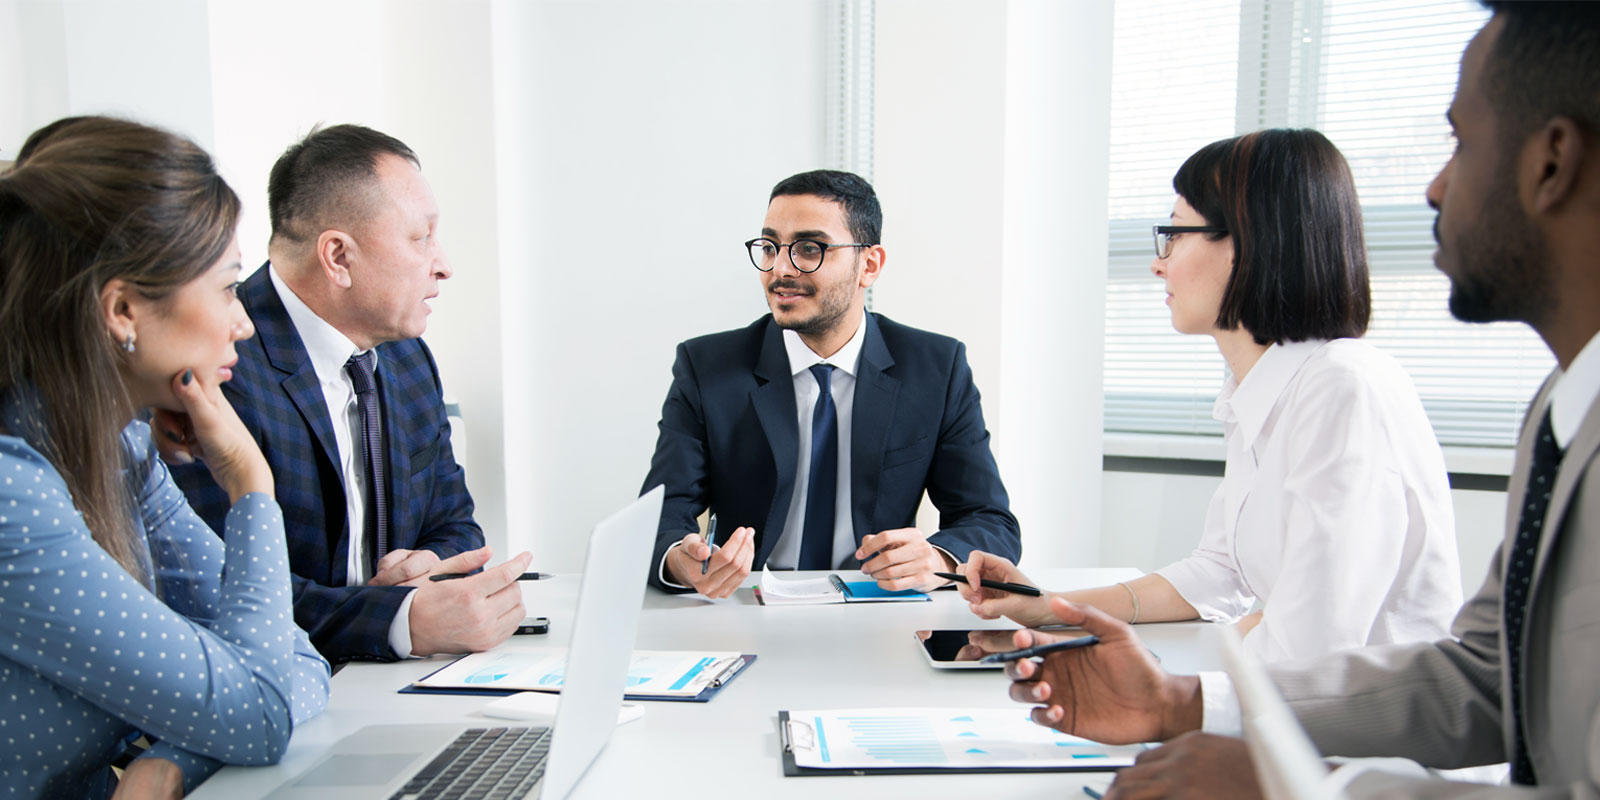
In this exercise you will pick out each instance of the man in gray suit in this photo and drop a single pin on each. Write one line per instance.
(1519, 238)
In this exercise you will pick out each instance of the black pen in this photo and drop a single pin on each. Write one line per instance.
(1039, 650)
(1014, 588)
(526, 576)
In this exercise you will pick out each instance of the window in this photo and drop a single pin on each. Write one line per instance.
(1375, 76)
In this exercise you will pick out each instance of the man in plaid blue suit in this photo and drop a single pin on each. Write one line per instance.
(354, 258)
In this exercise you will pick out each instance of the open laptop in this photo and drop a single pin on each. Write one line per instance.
(385, 761)
(1287, 764)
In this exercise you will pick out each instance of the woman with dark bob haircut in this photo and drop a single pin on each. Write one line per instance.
(1334, 514)
(123, 614)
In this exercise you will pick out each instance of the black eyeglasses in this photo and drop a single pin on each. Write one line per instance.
(805, 254)
(1164, 234)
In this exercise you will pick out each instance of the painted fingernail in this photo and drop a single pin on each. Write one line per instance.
(188, 375)
(174, 437)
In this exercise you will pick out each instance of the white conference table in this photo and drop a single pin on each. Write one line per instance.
(810, 657)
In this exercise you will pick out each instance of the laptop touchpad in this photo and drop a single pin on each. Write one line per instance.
(341, 770)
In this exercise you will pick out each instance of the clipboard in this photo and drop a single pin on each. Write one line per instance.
(789, 730)
(705, 695)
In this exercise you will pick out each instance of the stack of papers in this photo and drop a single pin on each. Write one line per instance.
(775, 591)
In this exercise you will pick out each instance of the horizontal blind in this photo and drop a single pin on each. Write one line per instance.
(1383, 77)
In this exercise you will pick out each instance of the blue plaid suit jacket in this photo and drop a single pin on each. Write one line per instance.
(276, 393)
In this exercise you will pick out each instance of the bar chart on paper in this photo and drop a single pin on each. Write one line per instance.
(948, 738)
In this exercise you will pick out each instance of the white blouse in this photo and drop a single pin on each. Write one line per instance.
(1334, 509)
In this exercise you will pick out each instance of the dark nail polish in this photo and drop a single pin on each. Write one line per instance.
(174, 437)
(188, 375)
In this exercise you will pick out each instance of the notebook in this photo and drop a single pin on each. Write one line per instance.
(380, 760)
(830, 588)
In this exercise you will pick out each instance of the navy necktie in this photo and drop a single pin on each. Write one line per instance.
(1519, 573)
(377, 517)
(816, 547)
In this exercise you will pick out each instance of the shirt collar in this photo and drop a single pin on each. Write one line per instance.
(327, 348)
(1575, 392)
(1249, 403)
(802, 358)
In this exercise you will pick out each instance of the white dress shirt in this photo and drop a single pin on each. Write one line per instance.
(842, 385)
(328, 350)
(1575, 392)
(1336, 491)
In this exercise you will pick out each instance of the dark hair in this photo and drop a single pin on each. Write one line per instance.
(1289, 204)
(1544, 64)
(860, 202)
(91, 199)
(324, 179)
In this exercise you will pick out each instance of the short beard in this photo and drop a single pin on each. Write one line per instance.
(833, 304)
(1503, 270)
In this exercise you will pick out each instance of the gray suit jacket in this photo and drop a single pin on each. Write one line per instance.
(1441, 704)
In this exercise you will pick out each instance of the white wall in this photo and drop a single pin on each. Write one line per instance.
(992, 168)
(648, 136)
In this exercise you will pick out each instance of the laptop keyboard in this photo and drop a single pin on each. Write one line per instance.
(483, 764)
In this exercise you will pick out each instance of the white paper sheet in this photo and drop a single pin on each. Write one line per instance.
(955, 738)
(666, 673)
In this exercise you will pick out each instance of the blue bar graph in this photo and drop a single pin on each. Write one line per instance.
(895, 740)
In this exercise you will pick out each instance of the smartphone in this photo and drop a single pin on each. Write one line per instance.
(942, 649)
(531, 625)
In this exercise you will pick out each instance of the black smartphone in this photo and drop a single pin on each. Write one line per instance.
(533, 625)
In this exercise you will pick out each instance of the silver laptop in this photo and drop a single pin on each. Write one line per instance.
(391, 760)
(1287, 764)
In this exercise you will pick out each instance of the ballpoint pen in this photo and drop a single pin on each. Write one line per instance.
(526, 576)
(710, 537)
(1014, 588)
(1039, 650)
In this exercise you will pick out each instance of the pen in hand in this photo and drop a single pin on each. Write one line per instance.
(710, 537)
(450, 576)
(1014, 588)
(1039, 650)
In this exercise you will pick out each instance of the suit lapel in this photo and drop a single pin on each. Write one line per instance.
(773, 400)
(1574, 462)
(287, 354)
(872, 412)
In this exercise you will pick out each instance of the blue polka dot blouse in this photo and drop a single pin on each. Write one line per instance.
(209, 664)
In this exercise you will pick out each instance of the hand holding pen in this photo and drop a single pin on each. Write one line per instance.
(712, 571)
(1004, 591)
(1115, 690)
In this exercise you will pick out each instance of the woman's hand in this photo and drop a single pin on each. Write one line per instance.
(208, 430)
(993, 603)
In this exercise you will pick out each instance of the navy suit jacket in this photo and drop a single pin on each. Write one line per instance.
(730, 440)
(276, 393)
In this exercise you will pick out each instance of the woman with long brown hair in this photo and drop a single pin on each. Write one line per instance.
(123, 613)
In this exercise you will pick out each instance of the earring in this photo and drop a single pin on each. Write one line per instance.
(128, 345)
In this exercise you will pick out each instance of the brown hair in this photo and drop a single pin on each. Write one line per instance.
(91, 199)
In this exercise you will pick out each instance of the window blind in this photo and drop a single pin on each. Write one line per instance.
(1375, 76)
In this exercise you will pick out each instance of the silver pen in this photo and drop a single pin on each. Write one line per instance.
(710, 539)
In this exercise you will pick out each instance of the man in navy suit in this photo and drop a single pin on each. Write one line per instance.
(813, 433)
(337, 310)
